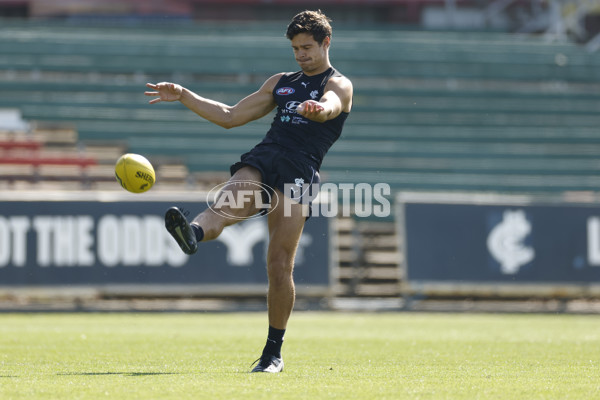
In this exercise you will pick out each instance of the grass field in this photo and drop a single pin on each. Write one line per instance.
(327, 356)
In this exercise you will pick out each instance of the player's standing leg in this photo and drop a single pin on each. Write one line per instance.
(285, 229)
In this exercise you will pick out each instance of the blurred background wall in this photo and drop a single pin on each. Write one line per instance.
(579, 16)
(492, 97)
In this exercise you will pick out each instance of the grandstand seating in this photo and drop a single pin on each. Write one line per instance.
(432, 110)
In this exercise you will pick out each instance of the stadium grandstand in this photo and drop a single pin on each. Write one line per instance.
(450, 95)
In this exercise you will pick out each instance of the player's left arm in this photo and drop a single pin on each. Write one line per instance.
(337, 98)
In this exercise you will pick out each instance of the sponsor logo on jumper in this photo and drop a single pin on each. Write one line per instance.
(305, 84)
(284, 91)
(291, 106)
(285, 118)
(299, 120)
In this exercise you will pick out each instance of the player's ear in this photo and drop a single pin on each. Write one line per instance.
(326, 41)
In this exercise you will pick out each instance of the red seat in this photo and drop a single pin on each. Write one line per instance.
(79, 161)
(20, 144)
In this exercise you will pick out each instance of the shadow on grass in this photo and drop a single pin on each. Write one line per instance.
(118, 373)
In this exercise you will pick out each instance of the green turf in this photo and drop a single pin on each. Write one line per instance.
(327, 355)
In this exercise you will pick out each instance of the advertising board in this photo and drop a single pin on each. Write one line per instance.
(492, 244)
(114, 241)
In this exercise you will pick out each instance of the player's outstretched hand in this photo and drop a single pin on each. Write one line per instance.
(164, 91)
(310, 109)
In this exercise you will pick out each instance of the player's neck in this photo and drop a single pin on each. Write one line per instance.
(317, 71)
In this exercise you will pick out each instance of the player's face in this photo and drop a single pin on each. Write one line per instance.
(311, 57)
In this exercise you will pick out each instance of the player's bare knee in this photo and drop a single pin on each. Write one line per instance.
(280, 277)
(280, 266)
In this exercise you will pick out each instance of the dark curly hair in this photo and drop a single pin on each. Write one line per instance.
(314, 22)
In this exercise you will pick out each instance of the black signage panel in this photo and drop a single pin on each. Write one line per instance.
(124, 242)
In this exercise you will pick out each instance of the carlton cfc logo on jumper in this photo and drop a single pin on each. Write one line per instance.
(284, 91)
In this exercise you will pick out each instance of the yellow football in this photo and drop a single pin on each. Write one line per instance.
(135, 173)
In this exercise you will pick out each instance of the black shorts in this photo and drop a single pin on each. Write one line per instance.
(293, 173)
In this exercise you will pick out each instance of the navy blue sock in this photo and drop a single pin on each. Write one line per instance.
(274, 342)
(198, 232)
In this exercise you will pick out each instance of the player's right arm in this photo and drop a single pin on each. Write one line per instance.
(250, 108)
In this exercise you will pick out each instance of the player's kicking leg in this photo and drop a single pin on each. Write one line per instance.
(183, 233)
(208, 225)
